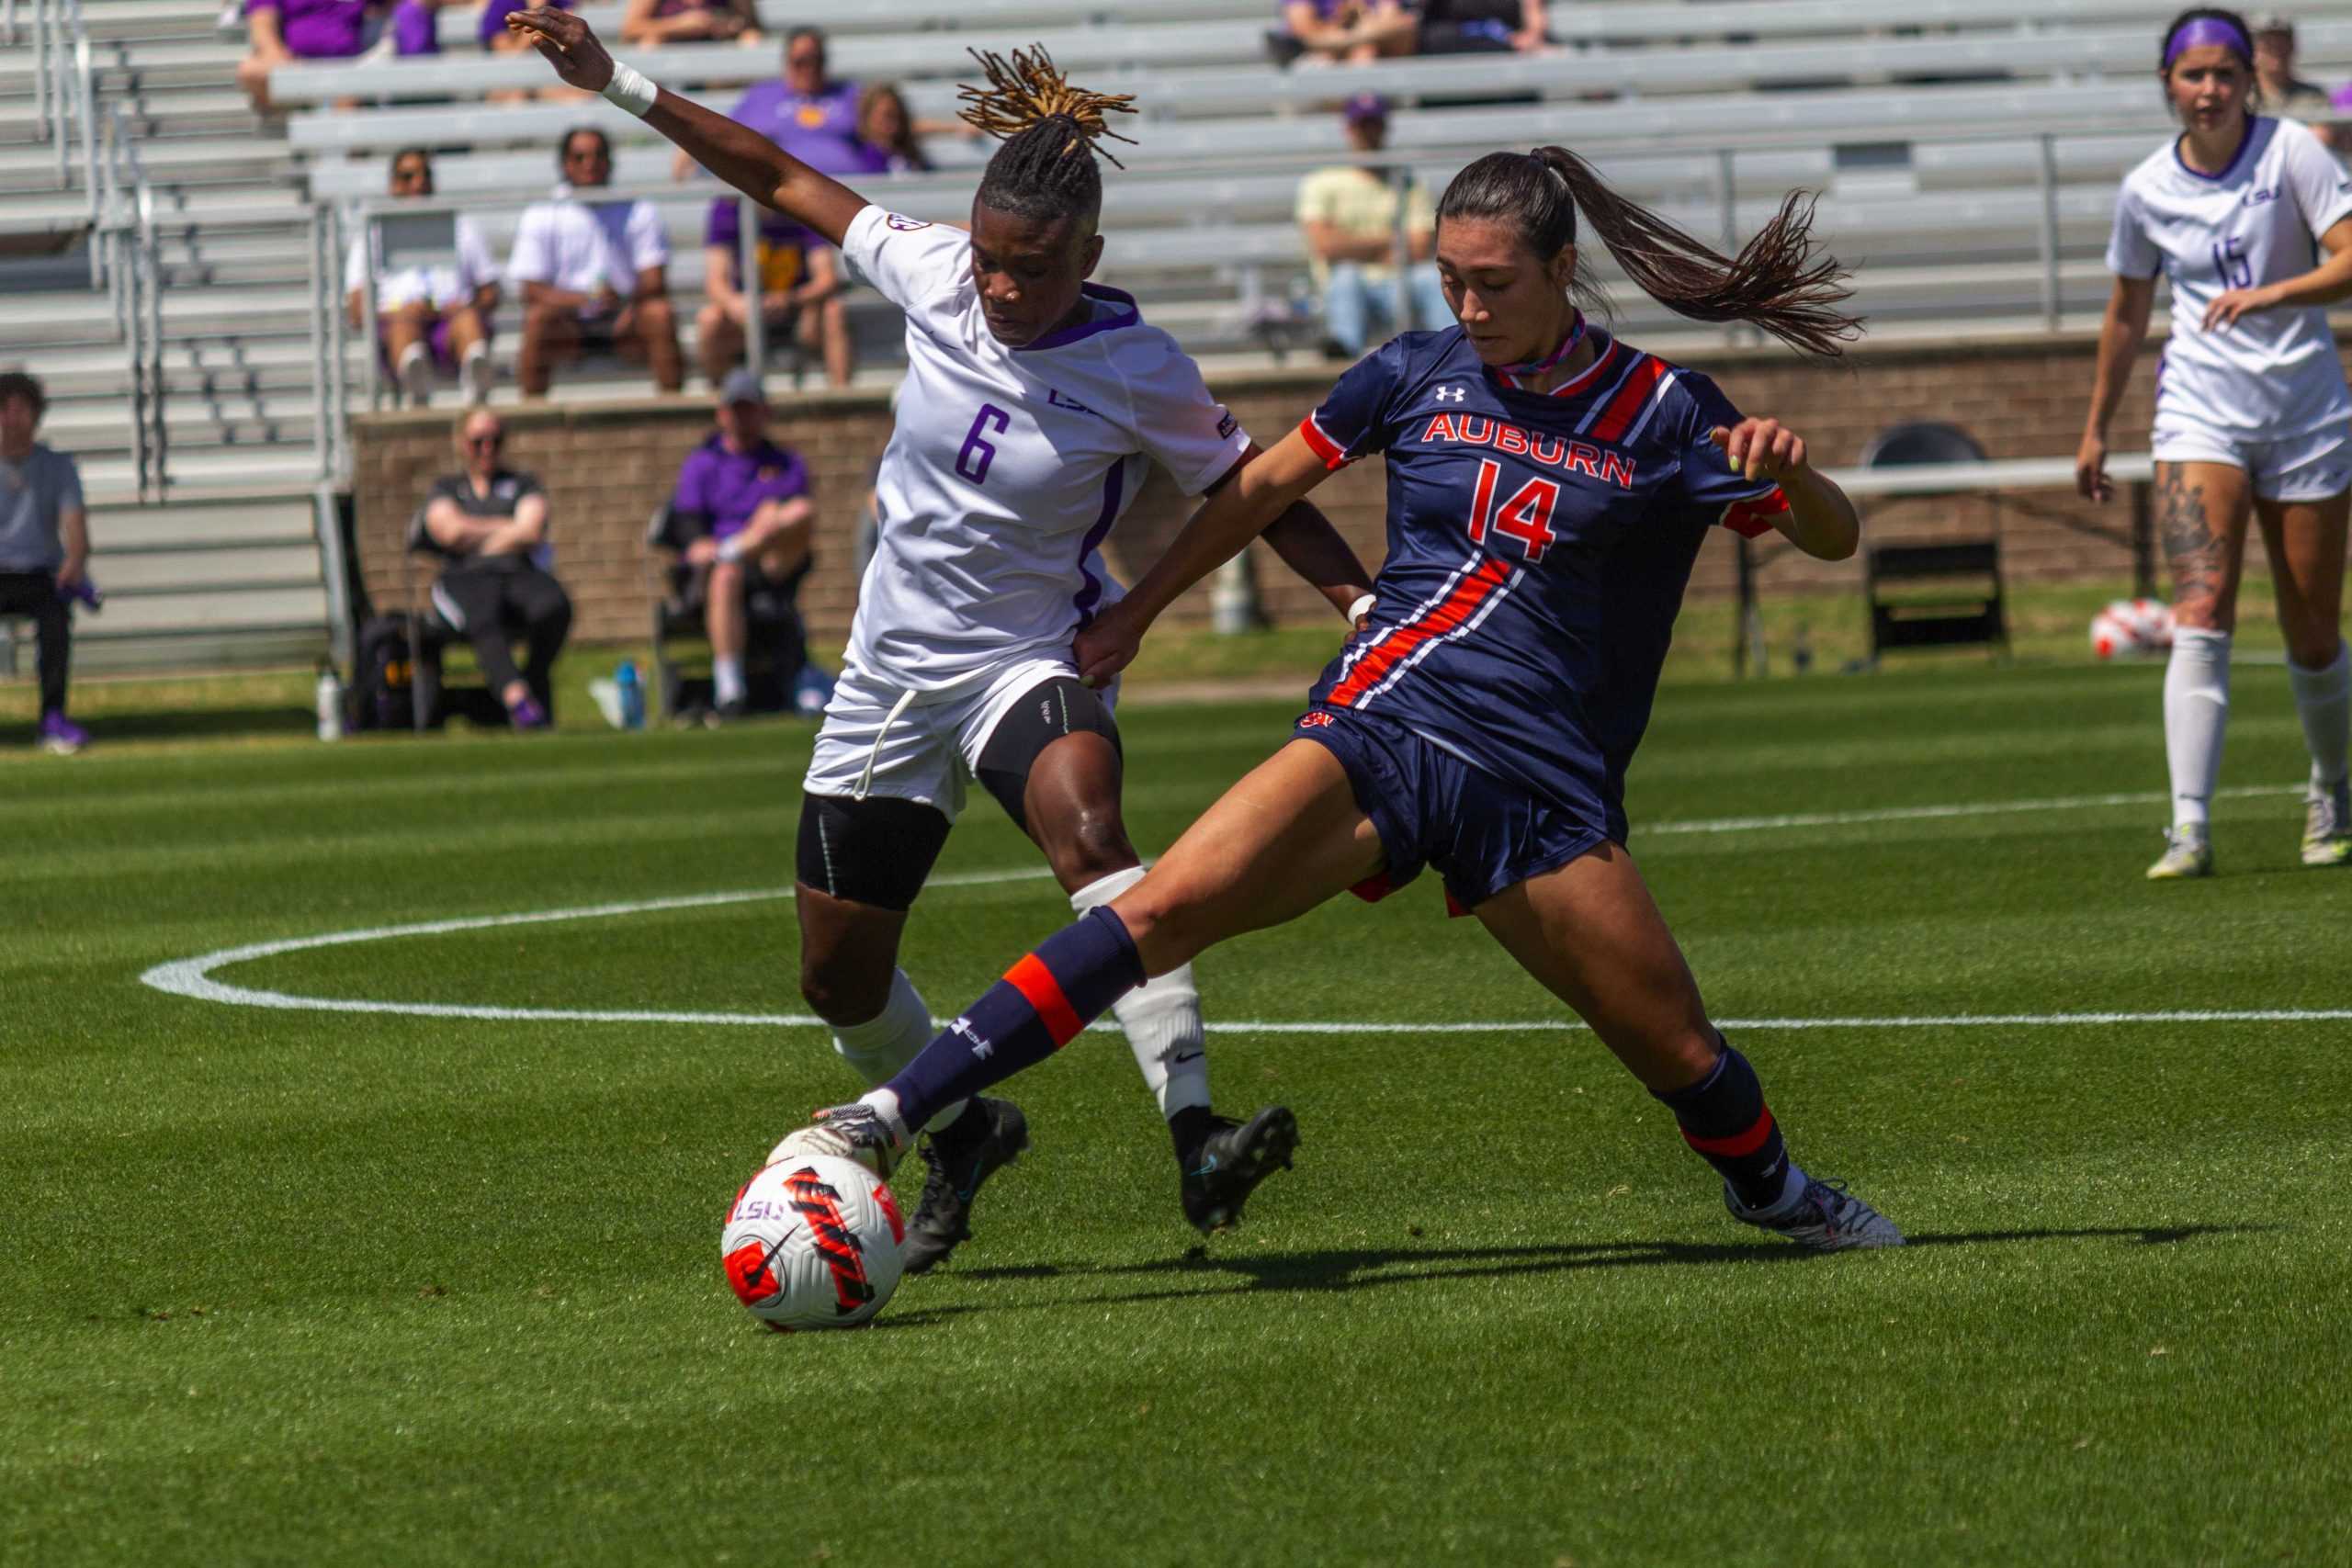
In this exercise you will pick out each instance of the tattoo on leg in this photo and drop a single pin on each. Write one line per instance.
(2190, 546)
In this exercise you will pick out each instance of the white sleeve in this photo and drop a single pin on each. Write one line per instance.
(1176, 423)
(354, 263)
(2323, 190)
(648, 242)
(2130, 252)
(475, 267)
(532, 260)
(907, 260)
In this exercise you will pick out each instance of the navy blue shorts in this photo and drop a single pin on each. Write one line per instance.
(1430, 808)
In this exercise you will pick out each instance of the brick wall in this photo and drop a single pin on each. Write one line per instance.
(608, 466)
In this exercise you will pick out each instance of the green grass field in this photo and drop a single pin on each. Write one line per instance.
(301, 1286)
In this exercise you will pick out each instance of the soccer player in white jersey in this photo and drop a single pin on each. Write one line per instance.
(1033, 403)
(2252, 412)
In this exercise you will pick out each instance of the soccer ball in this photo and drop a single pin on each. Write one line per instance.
(2129, 628)
(813, 1242)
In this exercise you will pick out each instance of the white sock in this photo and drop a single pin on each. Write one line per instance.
(2324, 698)
(2196, 713)
(727, 677)
(1162, 1017)
(885, 1042)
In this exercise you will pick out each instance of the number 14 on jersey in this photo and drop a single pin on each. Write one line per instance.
(1525, 517)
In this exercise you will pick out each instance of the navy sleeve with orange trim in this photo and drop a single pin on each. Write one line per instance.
(1355, 419)
(1747, 507)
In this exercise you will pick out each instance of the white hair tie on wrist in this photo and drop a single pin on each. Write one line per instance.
(631, 89)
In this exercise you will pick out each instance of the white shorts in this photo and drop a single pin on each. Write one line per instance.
(924, 746)
(2309, 466)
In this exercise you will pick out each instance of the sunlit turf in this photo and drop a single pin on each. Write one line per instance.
(299, 1285)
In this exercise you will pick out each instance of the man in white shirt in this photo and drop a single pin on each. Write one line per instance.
(593, 274)
(429, 316)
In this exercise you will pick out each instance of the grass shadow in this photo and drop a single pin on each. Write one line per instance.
(1367, 1268)
(192, 723)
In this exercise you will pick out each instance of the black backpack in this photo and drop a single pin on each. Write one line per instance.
(384, 678)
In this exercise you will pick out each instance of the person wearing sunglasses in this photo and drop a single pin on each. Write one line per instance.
(488, 525)
(594, 275)
(429, 318)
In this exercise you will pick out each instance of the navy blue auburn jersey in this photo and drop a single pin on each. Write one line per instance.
(1538, 548)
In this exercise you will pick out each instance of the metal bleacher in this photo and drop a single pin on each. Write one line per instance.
(1966, 152)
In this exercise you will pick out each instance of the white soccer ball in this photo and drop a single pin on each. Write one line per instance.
(2130, 628)
(814, 1242)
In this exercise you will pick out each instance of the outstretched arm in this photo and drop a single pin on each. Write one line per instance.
(1237, 512)
(736, 153)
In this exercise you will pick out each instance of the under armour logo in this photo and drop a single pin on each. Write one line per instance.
(1452, 394)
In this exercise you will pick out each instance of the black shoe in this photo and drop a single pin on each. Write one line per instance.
(726, 712)
(957, 1168)
(1231, 1163)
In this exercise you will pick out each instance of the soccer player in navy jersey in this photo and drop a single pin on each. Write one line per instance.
(1548, 489)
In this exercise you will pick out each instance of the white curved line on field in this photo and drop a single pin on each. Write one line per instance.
(193, 976)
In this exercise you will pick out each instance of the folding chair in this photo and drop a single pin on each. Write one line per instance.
(775, 652)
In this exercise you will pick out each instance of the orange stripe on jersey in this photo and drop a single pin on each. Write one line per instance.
(1450, 612)
(1627, 405)
(1037, 986)
(1322, 445)
(1758, 514)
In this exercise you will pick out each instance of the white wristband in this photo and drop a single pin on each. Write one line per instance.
(731, 550)
(631, 89)
(1362, 608)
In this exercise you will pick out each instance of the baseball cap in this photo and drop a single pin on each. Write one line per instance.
(741, 387)
(1364, 107)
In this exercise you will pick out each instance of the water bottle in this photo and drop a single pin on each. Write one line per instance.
(329, 703)
(632, 695)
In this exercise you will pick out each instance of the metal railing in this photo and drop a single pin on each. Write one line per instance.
(124, 252)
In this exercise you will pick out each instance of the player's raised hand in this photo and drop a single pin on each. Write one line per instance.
(570, 44)
(2090, 469)
(1108, 645)
(1760, 448)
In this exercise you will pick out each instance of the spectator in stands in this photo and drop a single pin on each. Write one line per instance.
(44, 548)
(799, 291)
(2283, 92)
(752, 497)
(1347, 32)
(593, 274)
(489, 522)
(415, 25)
(650, 23)
(885, 132)
(498, 40)
(280, 32)
(1347, 215)
(430, 316)
(1481, 27)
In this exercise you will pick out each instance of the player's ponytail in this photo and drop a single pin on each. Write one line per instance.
(1778, 282)
(1051, 133)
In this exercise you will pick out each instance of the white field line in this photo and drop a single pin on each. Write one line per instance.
(193, 976)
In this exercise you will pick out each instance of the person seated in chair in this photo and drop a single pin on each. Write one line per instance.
(430, 318)
(489, 523)
(752, 496)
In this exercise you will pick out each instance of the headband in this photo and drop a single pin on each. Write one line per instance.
(2198, 32)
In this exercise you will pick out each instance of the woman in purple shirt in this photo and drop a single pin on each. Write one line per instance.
(282, 31)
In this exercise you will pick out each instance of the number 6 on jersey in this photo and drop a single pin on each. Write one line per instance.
(1526, 516)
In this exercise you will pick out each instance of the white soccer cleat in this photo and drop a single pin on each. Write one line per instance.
(2327, 826)
(1821, 1215)
(2188, 853)
(854, 1132)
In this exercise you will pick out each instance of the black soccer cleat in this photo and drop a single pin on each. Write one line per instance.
(943, 1217)
(1232, 1161)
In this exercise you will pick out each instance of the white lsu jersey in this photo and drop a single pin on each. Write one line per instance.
(2273, 374)
(1010, 465)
